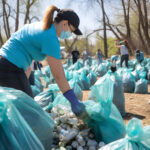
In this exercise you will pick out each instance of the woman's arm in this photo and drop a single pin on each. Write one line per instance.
(58, 73)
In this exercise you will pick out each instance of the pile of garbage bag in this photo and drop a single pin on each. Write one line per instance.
(137, 138)
(15, 133)
(31, 112)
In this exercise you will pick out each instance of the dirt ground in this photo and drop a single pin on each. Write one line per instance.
(136, 105)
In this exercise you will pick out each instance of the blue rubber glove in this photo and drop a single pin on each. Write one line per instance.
(76, 106)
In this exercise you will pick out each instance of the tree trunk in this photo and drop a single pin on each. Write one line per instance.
(17, 17)
(104, 26)
(69, 47)
(141, 37)
(1, 39)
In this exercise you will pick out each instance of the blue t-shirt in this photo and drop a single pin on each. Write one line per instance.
(140, 57)
(31, 43)
(99, 55)
(113, 57)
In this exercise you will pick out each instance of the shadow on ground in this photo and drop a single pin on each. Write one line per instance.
(129, 116)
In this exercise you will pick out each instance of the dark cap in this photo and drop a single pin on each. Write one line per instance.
(72, 17)
(137, 51)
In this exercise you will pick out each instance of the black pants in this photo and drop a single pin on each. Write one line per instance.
(124, 58)
(31, 78)
(13, 77)
(74, 60)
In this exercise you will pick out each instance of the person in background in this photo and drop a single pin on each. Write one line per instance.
(139, 56)
(113, 61)
(75, 55)
(37, 41)
(99, 56)
(123, 46)
(85, 55)
(35, 65)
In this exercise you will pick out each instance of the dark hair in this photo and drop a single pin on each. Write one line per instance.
(48, 17)
(99, 50)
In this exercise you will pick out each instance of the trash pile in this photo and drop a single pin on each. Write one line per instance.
(47, 122)
(70, 132)
(21, 122)
(134, 79)
(137, 138)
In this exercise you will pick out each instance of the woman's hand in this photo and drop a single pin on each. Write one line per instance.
(59, 75)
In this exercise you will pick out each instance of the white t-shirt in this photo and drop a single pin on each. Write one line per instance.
(124, 50)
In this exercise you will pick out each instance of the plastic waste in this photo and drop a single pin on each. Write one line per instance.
(128, 82)
(84, 82)
(37, 74)
(141, 86)
(77, 90)
(46, 98)
(118, 94)
(35, 90)
(46, 80)
(101, 70)
(137, 138)
(33, 114)
(136, 75)
(39, 85)
(92, 77)
(104, 117)
(15, 133)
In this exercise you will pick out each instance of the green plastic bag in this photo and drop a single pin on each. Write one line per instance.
(118, 94)
(46, 98)
(47, 71)
(15, 133)
(78, 65)
(104, 117)
(92, 77)
(35, 90)
(61, 100)
(37, 74)
(137, 138)
(84, 82)
(141, 86)
(136, 75)
(77, 90)
(39, 85)
(101, 70)
(46, 80)
(32, 112)
(128, 81)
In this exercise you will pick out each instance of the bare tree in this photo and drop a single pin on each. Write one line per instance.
(104, 26)
(11, 16)
(143, 23)
(69, 46)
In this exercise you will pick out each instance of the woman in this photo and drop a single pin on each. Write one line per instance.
(38, 41)
(139, 56)
(124, 52)
(99, 56)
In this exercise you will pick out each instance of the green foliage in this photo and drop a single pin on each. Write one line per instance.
(80, 44)
(111, 48)
(99, 43)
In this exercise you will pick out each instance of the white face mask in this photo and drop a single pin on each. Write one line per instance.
(65, 35)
